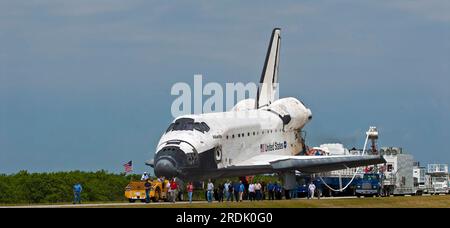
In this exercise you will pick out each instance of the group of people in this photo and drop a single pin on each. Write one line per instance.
(171, 186)
(238, 191)
(254, 191)
(231, 191)
(228, 191)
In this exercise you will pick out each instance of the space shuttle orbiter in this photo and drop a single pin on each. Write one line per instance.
(264, 138)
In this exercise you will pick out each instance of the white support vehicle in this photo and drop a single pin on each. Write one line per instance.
(438, 178)
(398, 173)
(420, 178)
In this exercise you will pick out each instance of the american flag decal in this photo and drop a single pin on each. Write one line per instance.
(263, 148)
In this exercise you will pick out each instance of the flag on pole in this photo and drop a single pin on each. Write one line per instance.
(128, 167)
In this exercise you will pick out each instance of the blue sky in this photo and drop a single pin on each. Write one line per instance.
(86, 84)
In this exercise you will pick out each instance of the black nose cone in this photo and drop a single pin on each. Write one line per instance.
(166, 168)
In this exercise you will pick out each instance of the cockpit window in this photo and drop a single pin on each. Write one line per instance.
(202, 127)
(183, 124)
(198, 127)
(188, 124)
(205, 126)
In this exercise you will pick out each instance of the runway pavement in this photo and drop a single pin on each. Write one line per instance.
(132, 204)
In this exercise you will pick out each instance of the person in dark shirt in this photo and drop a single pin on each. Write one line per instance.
(236, 188)
(230, 191)
(216, 194)
(220, 193)
(263, 190)
(278, 189)
(148, 187)
(271, 189)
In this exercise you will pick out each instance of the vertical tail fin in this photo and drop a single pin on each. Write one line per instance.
(269, 77)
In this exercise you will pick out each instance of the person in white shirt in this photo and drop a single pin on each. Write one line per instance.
(168, 191)
(210, 192)
(251, 191)
(144, 177)
(258, 191)
(226, 187)
(312, 189)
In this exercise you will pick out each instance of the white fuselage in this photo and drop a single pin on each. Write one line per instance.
(196, 151)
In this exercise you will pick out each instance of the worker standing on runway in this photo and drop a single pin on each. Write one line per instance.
(241, 191)
(271, 188)
(226, 190)
(168, 191)
(210, 190)
(230, 191)
(77, 189)
(312, 189)
(190, 190)
(220, 192)
(144, 177)
(258, 191)
(278, 189)
(251, 191)
(147, 186)
(173, 190)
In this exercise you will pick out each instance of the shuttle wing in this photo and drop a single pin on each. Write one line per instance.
(306, 164)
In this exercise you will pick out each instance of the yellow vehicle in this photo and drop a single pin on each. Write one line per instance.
(135, 190)
(159, 191)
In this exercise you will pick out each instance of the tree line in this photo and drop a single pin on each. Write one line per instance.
(56, 187)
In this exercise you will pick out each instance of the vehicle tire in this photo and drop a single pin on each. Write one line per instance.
(131, 200)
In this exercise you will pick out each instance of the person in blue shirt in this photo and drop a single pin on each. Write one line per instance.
(277, 190)
(236, 188)
(77, 189)
(241, 190)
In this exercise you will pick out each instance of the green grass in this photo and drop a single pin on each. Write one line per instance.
(387, 202)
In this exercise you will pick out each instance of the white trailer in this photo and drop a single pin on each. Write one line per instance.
(398, 173)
